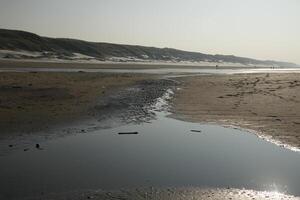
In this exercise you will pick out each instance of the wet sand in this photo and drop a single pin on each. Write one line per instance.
(32, 102)
(266, 103)
(171, 194)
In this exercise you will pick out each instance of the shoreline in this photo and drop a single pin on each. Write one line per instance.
(49, 105)
(191, 88)
(171, 194)
(265, 104)
(35, 102)
(21, 63)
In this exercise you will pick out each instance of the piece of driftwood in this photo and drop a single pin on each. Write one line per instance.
(196, 131)
(128, 133)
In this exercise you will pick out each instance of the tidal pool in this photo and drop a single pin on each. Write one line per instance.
(165, 153)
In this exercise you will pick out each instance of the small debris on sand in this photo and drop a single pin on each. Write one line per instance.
(196, 131)
(128, 133)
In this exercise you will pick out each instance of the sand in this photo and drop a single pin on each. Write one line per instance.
(266, 103)
(32, 102)
(269, 104)
(171, 194)
(23, 63)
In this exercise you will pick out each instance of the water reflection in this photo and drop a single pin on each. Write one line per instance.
(164, 153)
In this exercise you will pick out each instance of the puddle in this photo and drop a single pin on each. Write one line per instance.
(164, 153)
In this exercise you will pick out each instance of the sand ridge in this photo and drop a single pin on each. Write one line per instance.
(266, 103)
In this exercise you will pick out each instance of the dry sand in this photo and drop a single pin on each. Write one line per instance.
(266, 103)
(23, 63)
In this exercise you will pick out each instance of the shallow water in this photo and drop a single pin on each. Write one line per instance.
(164, 153)
(163, 70)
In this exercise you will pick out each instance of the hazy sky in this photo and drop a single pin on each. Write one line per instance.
(264, 29)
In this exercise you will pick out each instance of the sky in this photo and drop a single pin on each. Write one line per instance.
(262, 29)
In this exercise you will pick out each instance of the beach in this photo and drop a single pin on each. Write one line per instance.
(267, 104)
(145, 100)
(92, 109)
(35, 101)
(172, 194)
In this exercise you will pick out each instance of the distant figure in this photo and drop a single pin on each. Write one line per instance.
(217, 66)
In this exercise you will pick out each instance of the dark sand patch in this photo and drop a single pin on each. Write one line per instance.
(31, 102)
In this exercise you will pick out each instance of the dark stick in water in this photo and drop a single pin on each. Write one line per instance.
(197, 131)
(128, 133)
